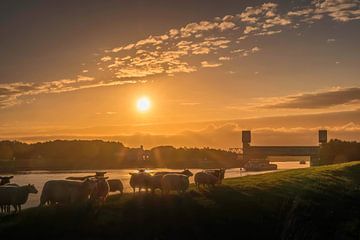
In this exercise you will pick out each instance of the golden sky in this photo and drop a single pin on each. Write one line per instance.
(207, 69)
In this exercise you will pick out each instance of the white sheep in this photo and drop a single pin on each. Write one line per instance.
(174, 182)
(65, 192)
(209, 177)
(140, 180)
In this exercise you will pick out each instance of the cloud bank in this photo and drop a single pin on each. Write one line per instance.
(323, 99)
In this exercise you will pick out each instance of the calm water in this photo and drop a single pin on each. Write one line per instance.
(38, 178)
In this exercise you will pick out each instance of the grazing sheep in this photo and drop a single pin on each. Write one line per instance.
(218, 173)
(15, 196)
(186, 172)
(5, 180)
(101, 191)
(116, 185)
(174, 182)
(205, 179)
(65, 192)
(140, 180)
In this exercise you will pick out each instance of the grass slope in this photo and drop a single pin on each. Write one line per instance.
(315, 203)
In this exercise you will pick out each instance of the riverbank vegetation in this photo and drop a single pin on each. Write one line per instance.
(313, 203)
(97, 154)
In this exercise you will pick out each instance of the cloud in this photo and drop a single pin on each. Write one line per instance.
(224, 58)
(206, 64)
(187, 48)
(337, 10)
(323, 99)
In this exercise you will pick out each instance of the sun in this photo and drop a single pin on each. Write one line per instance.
(143, 104)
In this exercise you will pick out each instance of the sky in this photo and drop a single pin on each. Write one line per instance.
(210, 69)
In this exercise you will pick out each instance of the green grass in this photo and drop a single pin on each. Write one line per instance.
(315, 203)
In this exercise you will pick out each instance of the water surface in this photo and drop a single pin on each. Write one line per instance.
(38, 178)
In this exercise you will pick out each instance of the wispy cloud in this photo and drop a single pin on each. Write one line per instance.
(322, 99)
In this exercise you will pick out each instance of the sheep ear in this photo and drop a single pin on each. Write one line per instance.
(131, 173)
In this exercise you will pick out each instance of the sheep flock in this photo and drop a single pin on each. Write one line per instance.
(96, 188)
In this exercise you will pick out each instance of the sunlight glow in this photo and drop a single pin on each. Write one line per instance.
(143, 104)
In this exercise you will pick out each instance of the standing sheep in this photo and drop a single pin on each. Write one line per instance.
(205, 179)
(116, 185)
(140, 180)
(218, 173)
(65, 192)
(15, 196)
(101, 191)
(174, 182)
(209, 177)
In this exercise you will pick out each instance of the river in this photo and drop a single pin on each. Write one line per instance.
(38, 178)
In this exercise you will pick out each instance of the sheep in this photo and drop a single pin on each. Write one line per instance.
(174, 182)
(65, 192)
(218, 173)
(186, 172)
(205, 179)
(5, 180)
(15, 196)
(116, 185)
(140, 180)
(101, 191)
(209, 177)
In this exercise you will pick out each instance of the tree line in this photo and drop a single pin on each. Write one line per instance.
(337, 151)
(95, 154)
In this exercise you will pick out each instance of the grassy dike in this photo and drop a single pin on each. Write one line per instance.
(315, 203)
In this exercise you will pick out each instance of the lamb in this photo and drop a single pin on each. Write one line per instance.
(65, 192)
(101, 191)
(15, 196)
(174, 182)
(186, 172)
(5, 180)
(116, 185)
(140, 180)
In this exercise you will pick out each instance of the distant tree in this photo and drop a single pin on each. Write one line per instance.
(92, 154)
(337, 151)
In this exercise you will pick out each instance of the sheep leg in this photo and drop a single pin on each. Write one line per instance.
(19, 207)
